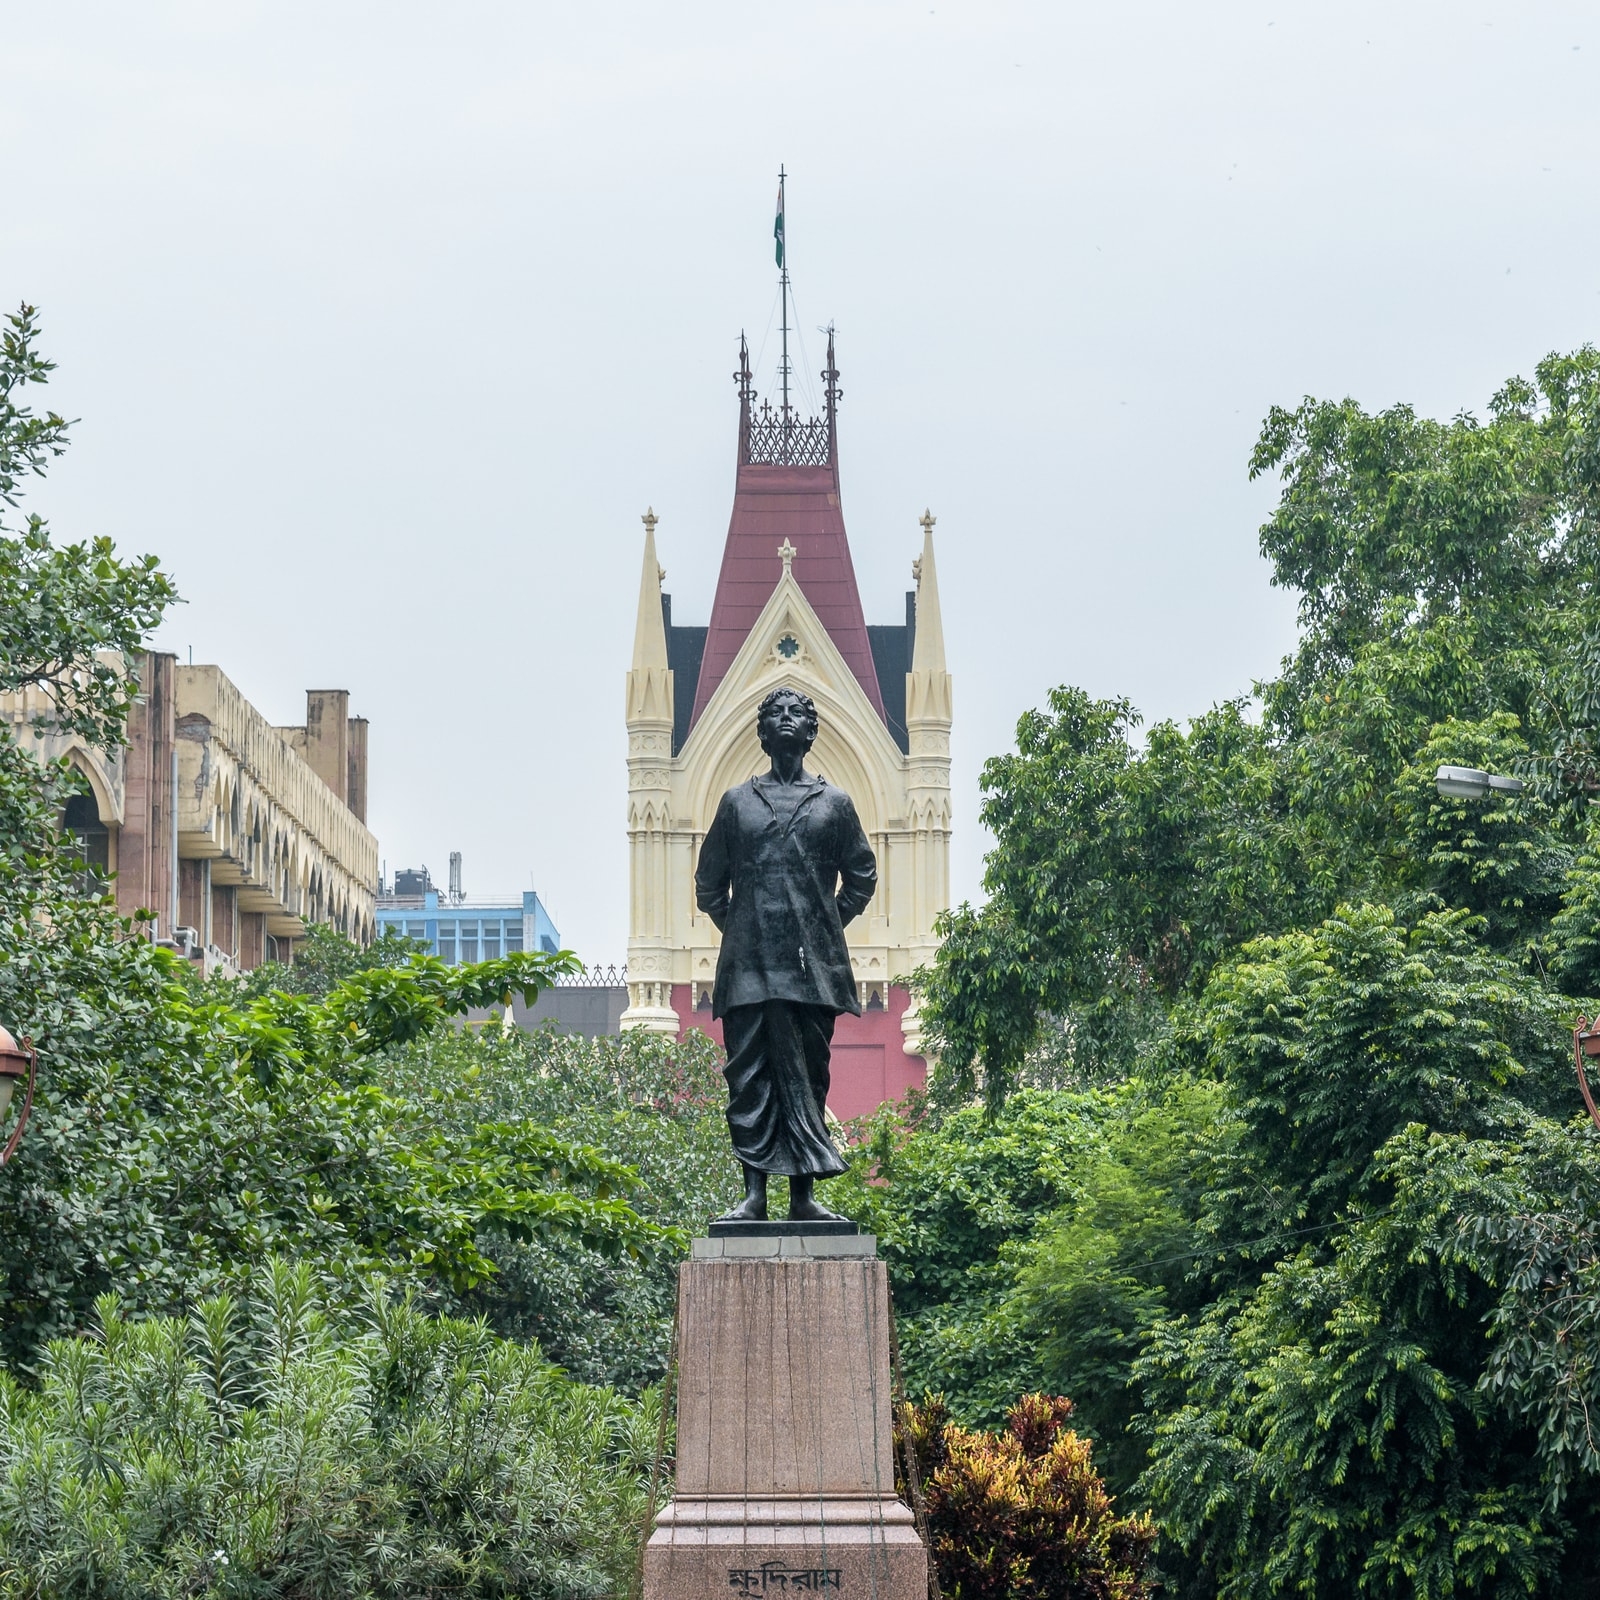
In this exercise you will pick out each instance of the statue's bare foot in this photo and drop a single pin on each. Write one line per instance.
(753, 1208)
(804, 1206)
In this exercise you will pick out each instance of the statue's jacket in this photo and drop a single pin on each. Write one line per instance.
(782, 894)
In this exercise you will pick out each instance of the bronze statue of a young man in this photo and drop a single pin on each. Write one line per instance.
(785, 865)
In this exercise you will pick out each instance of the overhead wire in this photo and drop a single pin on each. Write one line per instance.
(755, 368)
(799, 332)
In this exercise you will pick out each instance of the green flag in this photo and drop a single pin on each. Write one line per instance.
(777, 226)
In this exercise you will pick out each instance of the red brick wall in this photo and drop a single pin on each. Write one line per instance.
(224, 918)
(252, 939)
(193, 888)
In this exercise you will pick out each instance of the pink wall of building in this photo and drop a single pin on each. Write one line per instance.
(870, 1064)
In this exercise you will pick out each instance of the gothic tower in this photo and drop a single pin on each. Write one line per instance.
(787, 611)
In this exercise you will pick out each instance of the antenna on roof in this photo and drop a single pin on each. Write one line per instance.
(455, 878)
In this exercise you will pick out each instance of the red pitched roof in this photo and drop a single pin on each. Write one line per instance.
(772, 504)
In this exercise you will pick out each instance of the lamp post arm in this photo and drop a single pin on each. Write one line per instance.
(1580, 1035)
(27, 1103)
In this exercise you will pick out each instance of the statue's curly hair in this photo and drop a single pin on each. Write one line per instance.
(807, 705)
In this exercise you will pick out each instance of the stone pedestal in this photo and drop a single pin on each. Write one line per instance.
(785, 1471)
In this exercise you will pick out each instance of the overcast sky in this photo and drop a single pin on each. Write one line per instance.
(386, 321)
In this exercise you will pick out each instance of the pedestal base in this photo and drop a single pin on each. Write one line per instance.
(864, 1548)
(785, 1470)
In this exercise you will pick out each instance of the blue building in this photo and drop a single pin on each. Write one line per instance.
(469, 930)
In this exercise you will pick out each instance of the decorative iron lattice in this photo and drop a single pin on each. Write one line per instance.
(596, 977)
(773, 440)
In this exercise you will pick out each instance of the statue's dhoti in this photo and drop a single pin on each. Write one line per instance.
(777, 1076)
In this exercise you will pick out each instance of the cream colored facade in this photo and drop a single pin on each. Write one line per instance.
(254, 815)
(237, 835)
(903, 799)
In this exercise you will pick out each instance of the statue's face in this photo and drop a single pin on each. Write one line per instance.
(786, 724)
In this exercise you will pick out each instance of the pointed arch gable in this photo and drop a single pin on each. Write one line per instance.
(854, 749)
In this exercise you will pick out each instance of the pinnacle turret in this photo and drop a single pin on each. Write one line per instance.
(928, 693)
(650, 680)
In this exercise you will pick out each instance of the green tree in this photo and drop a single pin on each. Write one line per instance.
(1038, 1247)
(1097, 1277)
(1393, 525)
(182, 1132)
(1331, 1427)
(1117, 878)
(1354, 1304)
(957, 1205)
(72, 613)
(1330, 1042)
(1445, 573)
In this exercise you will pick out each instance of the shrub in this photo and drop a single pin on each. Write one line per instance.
(261, 1447)
(1022, 1514)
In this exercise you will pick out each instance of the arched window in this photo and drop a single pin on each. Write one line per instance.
(82, 821)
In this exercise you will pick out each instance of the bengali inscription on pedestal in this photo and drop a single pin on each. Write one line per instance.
(778, 1575)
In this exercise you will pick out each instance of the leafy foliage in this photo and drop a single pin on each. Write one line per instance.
(322, 960)
(1444, 571)
(1117, 876)
(267, 1445)
(655, 1105)
(1037, 1248)
(951, 1204)
(230, 1133)
(1328, 1427)
(224, 1429)
(1095, 1279)
(1332, 1041)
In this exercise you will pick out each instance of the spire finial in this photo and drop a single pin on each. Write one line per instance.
(742, 376)
(788, 552)
(649, 519)
(927, 519)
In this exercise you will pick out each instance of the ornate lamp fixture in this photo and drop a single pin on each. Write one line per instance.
(16, 1061)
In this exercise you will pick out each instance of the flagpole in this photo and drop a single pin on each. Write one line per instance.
(784, 287)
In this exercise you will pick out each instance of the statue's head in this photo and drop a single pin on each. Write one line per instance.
(786, 717)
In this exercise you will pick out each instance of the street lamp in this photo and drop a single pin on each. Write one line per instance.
(1468, 783)
(16, 1061)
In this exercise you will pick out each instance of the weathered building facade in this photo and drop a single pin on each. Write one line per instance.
(787, 612)
(235, 834)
